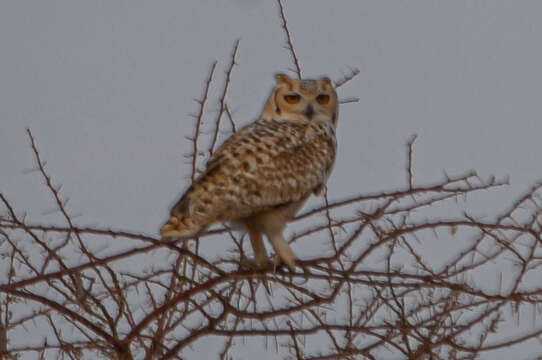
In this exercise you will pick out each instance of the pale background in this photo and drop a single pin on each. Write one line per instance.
(106, 88)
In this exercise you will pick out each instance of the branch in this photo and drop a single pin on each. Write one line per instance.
(346, 78)
(198, 118)
(289, 44)
(222, 105)
(409, 160)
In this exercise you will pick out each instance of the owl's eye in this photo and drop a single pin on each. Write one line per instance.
(292, 99)
(322, 99)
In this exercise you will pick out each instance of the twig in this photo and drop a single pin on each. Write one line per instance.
(346, 78)
(289, 44)
(349, 100)
(410, 143)
(222, 105)
(228, 113)
(199, 118)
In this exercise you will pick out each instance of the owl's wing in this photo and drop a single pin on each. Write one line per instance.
(223, 152)
(269, 137)
(266, 164)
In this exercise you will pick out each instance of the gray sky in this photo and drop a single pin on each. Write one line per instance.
(106, 88)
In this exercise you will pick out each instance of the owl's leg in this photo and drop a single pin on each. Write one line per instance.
(281, 247)
(272, 224)
(260, 255)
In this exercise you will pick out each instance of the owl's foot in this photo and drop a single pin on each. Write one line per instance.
(276, 263)
(283, 253)
(259, 270)
(281, 261)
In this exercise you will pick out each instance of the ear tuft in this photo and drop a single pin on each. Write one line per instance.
(283, 79)
(326, 80)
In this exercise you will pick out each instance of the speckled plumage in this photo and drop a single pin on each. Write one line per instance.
(262, 174)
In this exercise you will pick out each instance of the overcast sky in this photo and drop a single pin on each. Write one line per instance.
(106, 88)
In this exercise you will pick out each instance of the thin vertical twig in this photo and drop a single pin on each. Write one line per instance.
(294, 344)
(289, 44)
(198, 117)
(221, 102)
(329, 220)
(410, 143)
(228, 114)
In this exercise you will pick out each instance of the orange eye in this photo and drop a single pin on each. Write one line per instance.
(322, 99)
(292, 99)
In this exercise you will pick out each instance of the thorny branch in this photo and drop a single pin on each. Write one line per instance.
(410, 143)
(222, 104)
(289, 44)
(388, 316)
(199, 117)
(347, 77)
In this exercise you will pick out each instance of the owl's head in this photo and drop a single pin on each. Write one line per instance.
(302, 100)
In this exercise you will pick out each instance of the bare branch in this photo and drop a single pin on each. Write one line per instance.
(347, 77)
(289, 44)
(409, 160)
(222, 105)
(230, 118)
(199, 118)
(349, 100)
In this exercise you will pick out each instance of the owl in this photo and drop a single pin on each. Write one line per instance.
(263, 174)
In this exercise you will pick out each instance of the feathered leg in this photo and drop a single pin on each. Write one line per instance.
(260, 255)
(281, 247)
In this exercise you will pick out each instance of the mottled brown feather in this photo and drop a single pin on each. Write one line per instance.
(236, 185)
(261, 176)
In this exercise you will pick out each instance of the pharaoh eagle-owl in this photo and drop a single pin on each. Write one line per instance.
(261, 176)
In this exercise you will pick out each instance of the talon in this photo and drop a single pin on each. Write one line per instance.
(279, 262)
(306, 274)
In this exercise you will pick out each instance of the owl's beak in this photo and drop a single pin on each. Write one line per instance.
(309, 111)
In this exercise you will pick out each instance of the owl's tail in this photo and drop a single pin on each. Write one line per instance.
(179, 226)
(180, 223)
